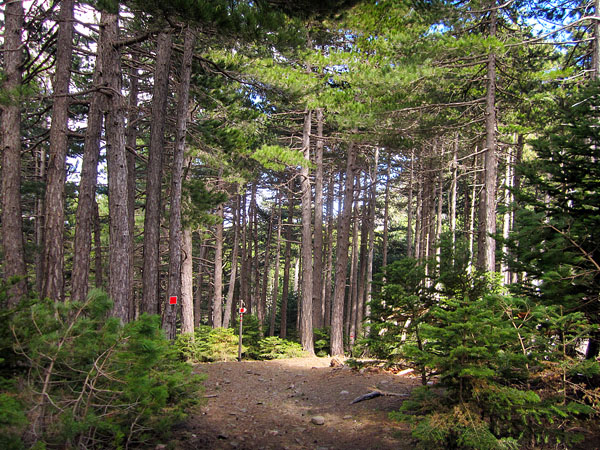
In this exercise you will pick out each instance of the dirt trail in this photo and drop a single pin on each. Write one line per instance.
(270, 404)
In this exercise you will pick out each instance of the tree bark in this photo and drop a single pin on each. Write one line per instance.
(410, 209)
(341, 265)
(327, 288)
(98, 266)
(54, 261)
(175, 230)
(10, 136)
(355, 269)
(187, 283)
(287, 262)
(386, 215)
(306, 317)
(318, 301)
(262, 301)
(151, 271)
(217, 303)
(120, 236)
(486, 258)
(200, 296)
(275, 292)
(595, 72)
(234, 261)
(86, 202)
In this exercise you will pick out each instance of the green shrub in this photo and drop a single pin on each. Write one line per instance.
(322, 341)
(276, 348)
(91, 381)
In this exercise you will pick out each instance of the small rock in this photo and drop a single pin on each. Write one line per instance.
(344, 393)
(243, 410)
(348, 417)
(226, 381)
(318, 420)
(385, 381)
(273, 432)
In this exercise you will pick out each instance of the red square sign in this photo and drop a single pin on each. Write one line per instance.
(173, 300)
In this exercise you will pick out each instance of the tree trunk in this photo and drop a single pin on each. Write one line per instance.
(453, 194)
(175, 241)
(120, 237)
(409, 206)
(54, 263)
(245, 271)
(341, 264)
(262, 301)
(187, 283)
(327, 288)
(355, 273)
(131, 144)
(10, 136)
(151, 271)
(287, 262)
(200, 296)
(275, 292)
(595, 72)
(386, 215)
(318, 301)
(86, 202)
(306, 318)
(98, 266)
(234, 261)
(486, 259)
(217, 303)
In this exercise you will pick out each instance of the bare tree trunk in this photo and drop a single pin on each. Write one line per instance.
(386, 214)
(151, 271)
(131, 144)
(98, 266)
(187, 283)
(10, 136)
(120, 236)
(364, 307)
(255, 287)
(327, 288)
(487, 255)
(200, 280)
(472, 210)
(86, 202)
(318, 301)
(245, 271)
(306, 317)
(595, 72)
(354, 270)
(275, 292)
(287, 262)
(453, 194)
(341, 264)
(262, 301)
(39, 216)
(54, 258)
(217, 303)
(175, 240)
(410, 210)
(234, 261)
(418, 208)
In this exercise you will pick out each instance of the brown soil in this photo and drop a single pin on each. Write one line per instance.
(270, 404)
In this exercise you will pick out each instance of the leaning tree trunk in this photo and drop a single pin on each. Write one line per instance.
(120, 235)
(151, 271)
(10, 136)
(175, 241)
(86, 202)
(337, 308)
(306, 322)
(54, 258)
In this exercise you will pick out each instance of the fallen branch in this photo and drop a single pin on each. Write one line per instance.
(377, 393)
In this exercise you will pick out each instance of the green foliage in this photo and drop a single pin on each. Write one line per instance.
(322, 338)
(215, 344)
(274, 347)
(90, 380)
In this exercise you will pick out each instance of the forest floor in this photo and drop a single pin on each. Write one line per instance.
(272, 404)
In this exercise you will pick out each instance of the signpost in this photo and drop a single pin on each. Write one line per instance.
(241, 311)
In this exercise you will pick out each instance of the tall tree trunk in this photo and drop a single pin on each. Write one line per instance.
(327, 288)
(595, 72)
(98, 266)
(200, 280)
(10, 136)
(472, 209)
(131, 143)
(187, 283)
(410, 209)
(237, 213)
(318, 301)
(418, 209)
(358, 270)
(174, 284)
(245, 271)
(341, 264)
(86, 202)
(486, 259)
(275, 292)
(39, 217)
(453, 195)
(507, 219)
(306, 318)
(151, 270)
(364, 307)
(386, 214)
(120, 236)
(287, 262)
(217, 302)
(54, 263)
(262, 301)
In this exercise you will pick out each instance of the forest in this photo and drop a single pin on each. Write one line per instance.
(410, 181)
